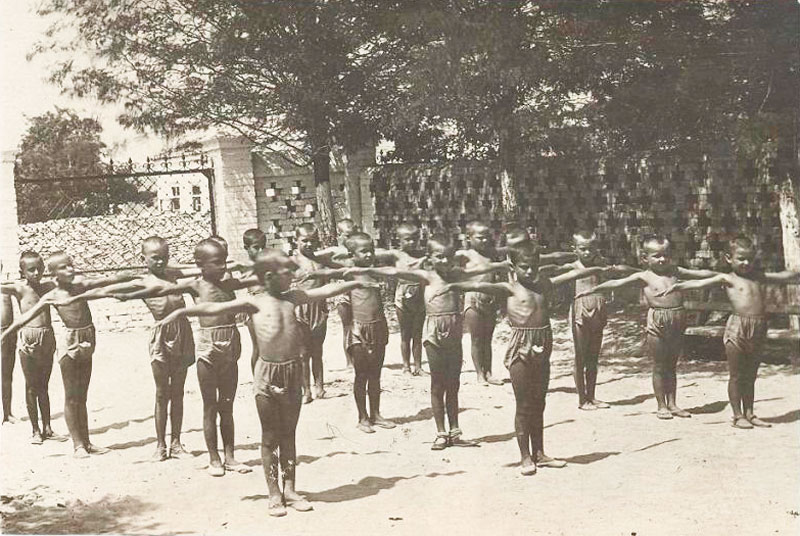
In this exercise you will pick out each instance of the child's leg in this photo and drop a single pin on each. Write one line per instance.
(474, 322)
(452, 385)
(45, 369)
(595, 343)
(32, 388)
(521, 382)
(270, 417)
(317, 342)
(228, 377)
(161, 378)
(9, 354)
(416, 341)
(70, 376)
(345, 312)
(361, 363)
(207, 379)
(406, 321)
(736, 375)
(671, 385)
(580, 340)
(487, 336)
(307, 376)
(749, 385)
(374, 388)
(177, 381)
(540, 383)
(290, 413)
(659, 353)
(438, 387)
(85, 376)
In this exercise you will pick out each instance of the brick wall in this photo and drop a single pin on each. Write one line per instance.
(698, 203)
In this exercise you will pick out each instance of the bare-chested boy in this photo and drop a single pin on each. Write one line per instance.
(666, 318)
(527, 359)
(345, 227)
(254, 242)
(277, 377)
(746, 329)
(218, 347)
(588, 317)
(76, 363)
(443, 331)
(409, 299)
(8, 351)
(36, 343)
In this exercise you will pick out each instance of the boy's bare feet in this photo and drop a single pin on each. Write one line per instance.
(276, 508)
(10, 419)
(319, 391)
(297, 502)
(587, 406)
(482, 379)
(80, 453)
(406, 371)
(307, 398)
(755, 421)
(741, 422)
(491, 380)
(36, 438)
(542, 460)
(176, 450)
(50, 435)
(678, 412)
(94, 449)
(215, 468)
(441, 442)
(236, 466)
(600, 404)
(528, 467)
(455, 440)
(160, 454)
(380, 422)
(664, 413)
(365, 427)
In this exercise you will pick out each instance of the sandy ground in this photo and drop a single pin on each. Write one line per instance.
(628, 472)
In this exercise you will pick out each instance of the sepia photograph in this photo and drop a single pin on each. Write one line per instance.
(400, 267)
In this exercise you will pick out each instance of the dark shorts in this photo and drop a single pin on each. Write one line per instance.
(409, 298)
(442, 341)
(666, 323)
(313, 316)
(80, 344)
(747, 333)
(589, 312)
(482, 303)
(172, 343)
(529, 345)
(371, 335)
(36, 343)
(282, 380)
(219, 345)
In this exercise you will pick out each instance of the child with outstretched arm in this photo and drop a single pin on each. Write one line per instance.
(527, 359)
(666, 318)
(277, 379)
(746, 329)
(76, 363)
(443, 330)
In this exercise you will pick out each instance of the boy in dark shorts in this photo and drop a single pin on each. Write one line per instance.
(254, 242)
(443, 331)
(36, 343)
(528, 356)
(588, 316)
(746, 329)
(409, 299)
(76, 363)
(278, 373)
(666, 318)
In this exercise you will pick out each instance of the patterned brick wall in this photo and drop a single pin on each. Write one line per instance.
(698, 204)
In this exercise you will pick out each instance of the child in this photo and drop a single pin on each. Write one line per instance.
(254, 242)
(746, 329)
(313, 315)
(588, 317)
(37, 344)
(76, 363)
(277, 377)
(409, 300)
(443, 330)
(218, 348)
(7, 357)
(527, 359)
(666, 318)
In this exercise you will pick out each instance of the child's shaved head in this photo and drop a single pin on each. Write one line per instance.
(584, 234)
(407, 228)
(29, 255)
(477, 226)
(221, 241)
(55, 258)
(357, 239)
(653, 241)
(254, 236)
(207, 248)
(526, 250)
(153, 243)
(346, 226)
(740, 242)
(272, 260)
(516, 235)
(440, 241)
(305, 229)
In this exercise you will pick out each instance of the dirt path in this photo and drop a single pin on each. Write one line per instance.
(628, 472)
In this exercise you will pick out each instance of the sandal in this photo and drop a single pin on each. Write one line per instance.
(441, 442)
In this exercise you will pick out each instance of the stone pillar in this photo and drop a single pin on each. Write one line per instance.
(9, 239)
(234, 190)
(354, 165)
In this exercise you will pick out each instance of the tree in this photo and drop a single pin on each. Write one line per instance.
(295, 78)
(60, 143)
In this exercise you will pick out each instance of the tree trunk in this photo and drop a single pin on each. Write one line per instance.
(790, 230)
(352, 189)
(507, 174)
(322, 183)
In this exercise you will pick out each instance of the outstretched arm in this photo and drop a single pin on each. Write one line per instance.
(558, 257)
(109, 291)
(719, 279)
(578, 273)
(785, 277)
(495, 289)
(330, 290)
(242, 305)
(44, 302)
(690, 273)
(633, 279)
(325, 273)
(489, 267)
(153, 289)
(415, 276)
(97, 282)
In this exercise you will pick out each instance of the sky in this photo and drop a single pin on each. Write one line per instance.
(25, 92)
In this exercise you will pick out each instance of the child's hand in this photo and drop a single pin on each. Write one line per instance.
(349, 272)
(583, 293)
(119, 296)
(302, 278)
(669, 290)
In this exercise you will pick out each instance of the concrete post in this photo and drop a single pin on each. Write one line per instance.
(9, 238)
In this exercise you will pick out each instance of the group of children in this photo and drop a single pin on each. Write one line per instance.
(440, 289)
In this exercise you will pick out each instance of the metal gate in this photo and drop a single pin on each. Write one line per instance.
(100, 220)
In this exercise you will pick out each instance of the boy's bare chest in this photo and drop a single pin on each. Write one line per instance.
(209, 292)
